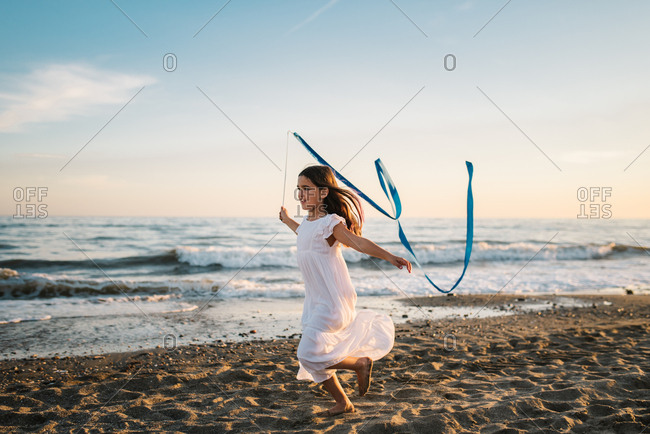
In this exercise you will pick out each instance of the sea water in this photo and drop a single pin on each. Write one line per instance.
(111, 283)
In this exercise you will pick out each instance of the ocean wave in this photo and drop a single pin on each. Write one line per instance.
(26, 310)
(524, 251)
(39, 285)
(237, 257)
(427, 254)
(189, 259)
(165, 258)
(27, 319)
(6, 273)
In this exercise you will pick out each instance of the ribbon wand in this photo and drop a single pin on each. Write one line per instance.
(395, 203)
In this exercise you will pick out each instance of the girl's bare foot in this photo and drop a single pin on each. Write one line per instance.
(364, 373)
(339, 408)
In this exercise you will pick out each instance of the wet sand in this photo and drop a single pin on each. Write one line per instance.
(582, 369)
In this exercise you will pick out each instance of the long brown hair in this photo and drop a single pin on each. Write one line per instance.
(338, 201)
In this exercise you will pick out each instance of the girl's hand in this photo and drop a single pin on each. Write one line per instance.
(400, 262)
(283, 215)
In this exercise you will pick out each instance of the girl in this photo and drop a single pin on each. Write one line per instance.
(334, 335)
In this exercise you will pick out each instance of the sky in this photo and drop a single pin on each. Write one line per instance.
(169, 108)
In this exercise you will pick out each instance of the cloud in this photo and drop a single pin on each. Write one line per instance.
(312, 17)
(59, 92)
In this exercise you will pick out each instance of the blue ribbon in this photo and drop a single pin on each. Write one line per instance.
(396, 204)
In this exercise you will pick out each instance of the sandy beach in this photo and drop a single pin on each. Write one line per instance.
(559, 370)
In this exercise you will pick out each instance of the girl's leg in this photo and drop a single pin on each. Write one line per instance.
(351, 363)
(343, 403)
(361, 366)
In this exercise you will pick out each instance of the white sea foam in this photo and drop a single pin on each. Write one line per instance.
(442, 253)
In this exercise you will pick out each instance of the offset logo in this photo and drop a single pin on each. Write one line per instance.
(593, 202)
(29, 202)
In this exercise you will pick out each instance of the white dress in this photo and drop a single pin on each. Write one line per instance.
(332, 329)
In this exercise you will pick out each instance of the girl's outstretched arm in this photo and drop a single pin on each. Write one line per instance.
(364, 245)
(284, 217)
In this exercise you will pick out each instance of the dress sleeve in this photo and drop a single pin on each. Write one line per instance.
(329, 222)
